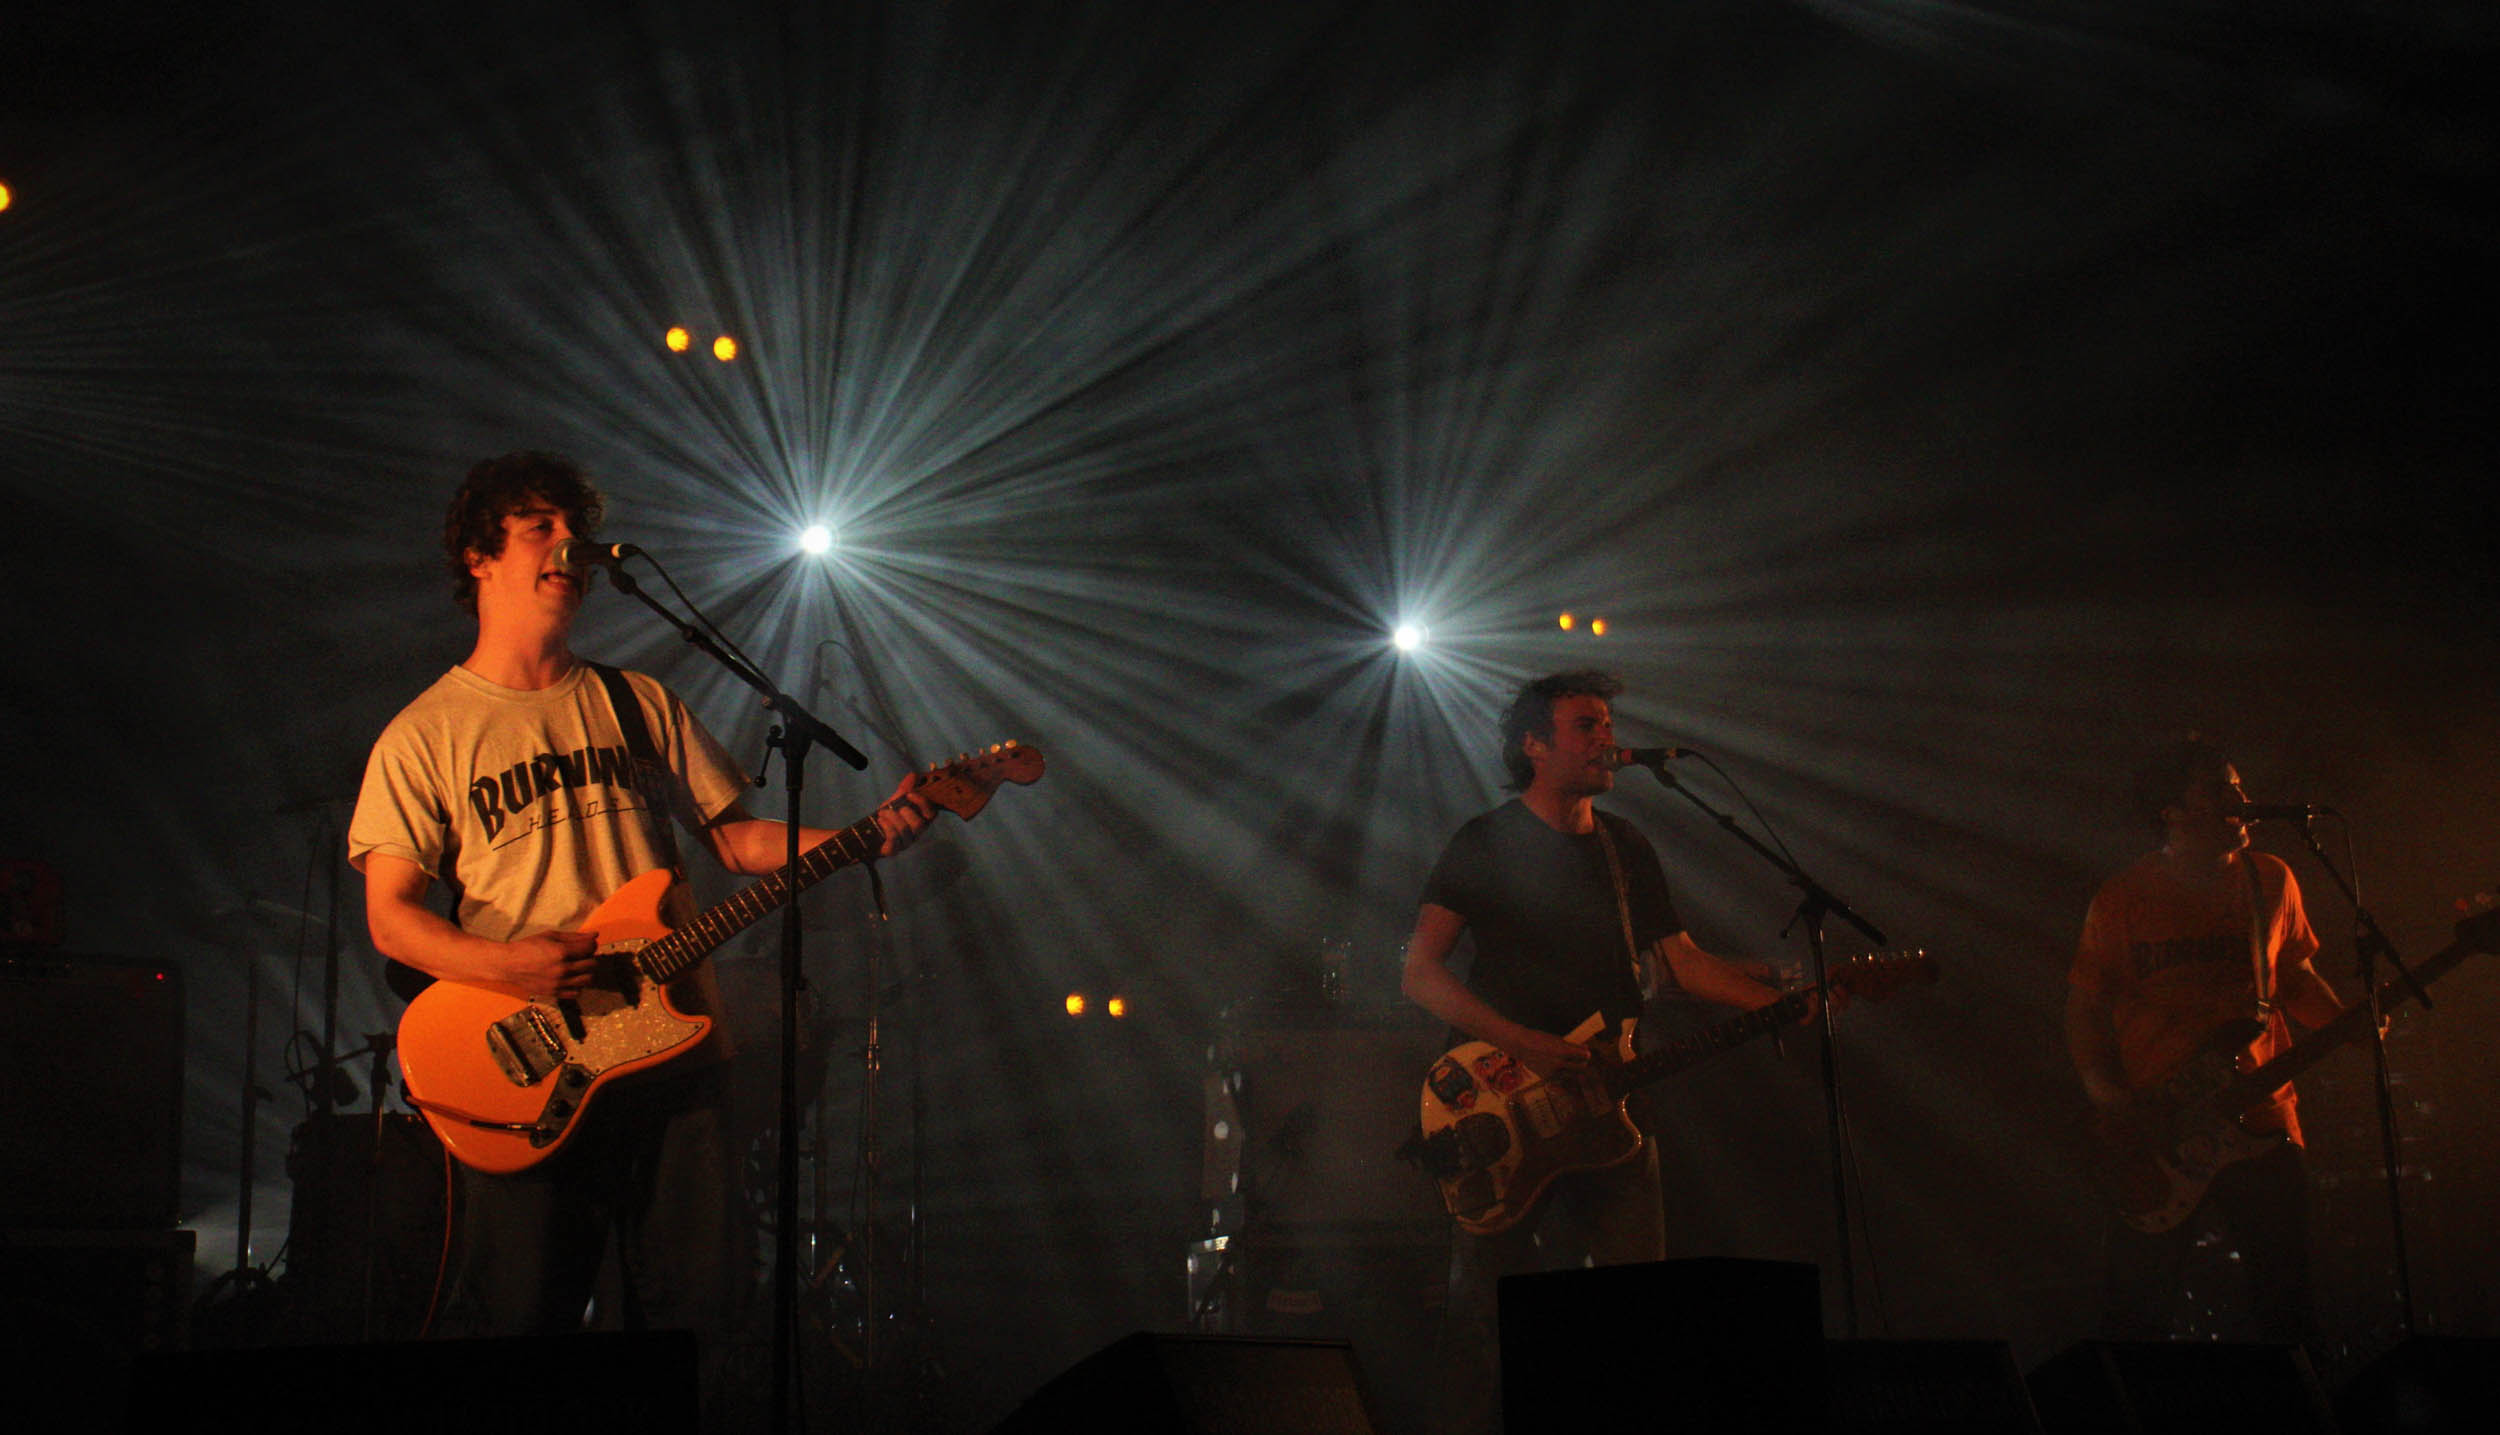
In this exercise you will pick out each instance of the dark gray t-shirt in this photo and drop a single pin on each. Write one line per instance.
(1540, 909)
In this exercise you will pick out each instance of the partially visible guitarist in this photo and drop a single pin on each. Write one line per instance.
(2193, 937)
(1568, 913)
(511, 781)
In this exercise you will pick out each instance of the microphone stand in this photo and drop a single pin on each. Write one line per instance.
(797, 732)
(893, 1376)
(1817, 906)
(2369, 943)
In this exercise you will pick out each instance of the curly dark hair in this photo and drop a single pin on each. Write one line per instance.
(500, 487)
(1531, 713)
(2167, 772)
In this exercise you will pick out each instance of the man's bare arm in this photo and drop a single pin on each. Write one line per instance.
(758, 847)
(1430, 984)
(2307, 998)
(406, 930)
(2092, 1044)
(1712, 978)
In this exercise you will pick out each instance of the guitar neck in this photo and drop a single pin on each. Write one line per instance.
(2352, 1025)
(1667, 1060)
(680, 951)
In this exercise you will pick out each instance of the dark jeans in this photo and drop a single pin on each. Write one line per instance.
(1595, 1218)
(2263, 1206)
(649, 1171)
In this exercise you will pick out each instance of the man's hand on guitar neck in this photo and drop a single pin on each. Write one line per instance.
(903, 816)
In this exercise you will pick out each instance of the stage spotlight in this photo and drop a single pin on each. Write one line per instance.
(1116, 1008)
(1076, 1003)
(1566, 620)
(1408, 637)
(679, 341)
(817, 539)
(4, 196)
(1597, 627)
(724, 348)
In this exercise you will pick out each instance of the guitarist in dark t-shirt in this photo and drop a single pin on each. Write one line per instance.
(1569, 915)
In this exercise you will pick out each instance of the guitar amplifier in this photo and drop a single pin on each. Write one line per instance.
(1306, 1110)
(1151, 1384)
(610, 1382)
(90, 1093)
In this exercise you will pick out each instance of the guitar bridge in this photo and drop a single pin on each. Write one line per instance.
(526, 1045)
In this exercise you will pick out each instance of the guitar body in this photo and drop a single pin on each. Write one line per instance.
(1499, 1134)
(2182, 1133)
(503, 1078)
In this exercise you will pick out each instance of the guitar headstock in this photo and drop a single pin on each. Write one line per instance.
(1874, 976)
(2479, 924)
(964, 785)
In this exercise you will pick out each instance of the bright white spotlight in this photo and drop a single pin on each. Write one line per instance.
(1408, 637)
(817, 539)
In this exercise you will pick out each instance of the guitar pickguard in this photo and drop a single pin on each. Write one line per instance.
(1496, 1134)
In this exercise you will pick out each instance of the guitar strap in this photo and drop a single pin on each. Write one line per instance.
(1623, 908)
(2261, 971)
(651, 776)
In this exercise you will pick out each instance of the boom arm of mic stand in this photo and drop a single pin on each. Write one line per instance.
(1819, 899)
(800, 723)
(2369, 939)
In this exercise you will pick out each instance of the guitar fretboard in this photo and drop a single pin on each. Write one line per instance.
(2353, 1025)
(677, 953)
(1735, 1031)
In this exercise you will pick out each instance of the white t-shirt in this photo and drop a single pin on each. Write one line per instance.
(527, 802)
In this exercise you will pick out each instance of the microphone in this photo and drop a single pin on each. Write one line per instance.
(1649, 756)
(582, 553)
(2277, 811)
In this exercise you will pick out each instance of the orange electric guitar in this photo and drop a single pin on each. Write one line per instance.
(503, 1077)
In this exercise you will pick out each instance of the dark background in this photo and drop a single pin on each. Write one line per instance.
(1939, 403)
